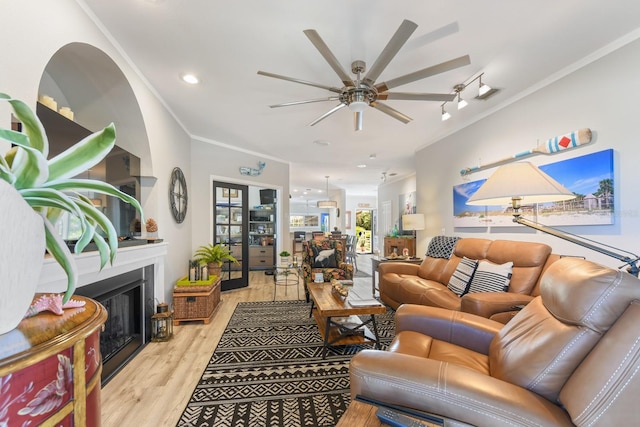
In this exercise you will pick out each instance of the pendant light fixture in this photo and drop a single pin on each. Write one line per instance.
(327, 204)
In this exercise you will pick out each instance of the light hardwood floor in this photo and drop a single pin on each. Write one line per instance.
(154, 388)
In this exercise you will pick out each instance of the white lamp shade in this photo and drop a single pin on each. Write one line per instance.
(413, 222)
(328, 204)
(519, 180)
(484, 88)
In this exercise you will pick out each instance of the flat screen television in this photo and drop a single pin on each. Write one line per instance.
(267, 196)
(120, 168)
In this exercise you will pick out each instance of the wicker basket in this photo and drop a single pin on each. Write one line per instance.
(195, 302)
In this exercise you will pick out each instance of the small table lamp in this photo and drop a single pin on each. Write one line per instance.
(413, 222)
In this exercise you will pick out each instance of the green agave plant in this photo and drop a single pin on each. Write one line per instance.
(49, 188)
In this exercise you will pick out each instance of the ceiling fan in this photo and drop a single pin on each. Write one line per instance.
(363, 92)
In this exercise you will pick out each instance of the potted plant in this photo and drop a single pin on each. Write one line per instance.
(284, 257)
(214, 256)
(27, 178)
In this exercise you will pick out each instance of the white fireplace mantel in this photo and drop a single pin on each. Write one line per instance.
(54, 279)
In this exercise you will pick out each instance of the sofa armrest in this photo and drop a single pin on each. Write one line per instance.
(486, 304)
(463, 329)
(398, 268)
(448, 390)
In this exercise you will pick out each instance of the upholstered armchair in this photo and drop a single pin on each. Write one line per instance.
(570, 357)
(325, 256)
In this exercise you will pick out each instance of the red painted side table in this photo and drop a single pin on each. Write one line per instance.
(50, 368)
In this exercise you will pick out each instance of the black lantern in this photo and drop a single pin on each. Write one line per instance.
(162, 324)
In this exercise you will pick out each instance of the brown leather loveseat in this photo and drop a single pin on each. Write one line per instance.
(426, 284)
(570, 357)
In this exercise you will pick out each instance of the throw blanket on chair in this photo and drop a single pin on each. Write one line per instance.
(441, 247)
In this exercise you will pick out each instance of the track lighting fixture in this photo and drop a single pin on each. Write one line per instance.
(484, 92)
(445, 115)
(461, 102)
(483, 88)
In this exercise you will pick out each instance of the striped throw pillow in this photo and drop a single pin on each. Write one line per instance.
(490, 277)
(461, 278)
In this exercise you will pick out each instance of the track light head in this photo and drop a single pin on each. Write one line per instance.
(445, 115)
(484, 90)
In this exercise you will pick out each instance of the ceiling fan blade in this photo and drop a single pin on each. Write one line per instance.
(398, 40)
(329, 56)
(304, 82)
(391, 111)
(357, 117)
(441, 97)
(424, 73)
(327, 114)
(307, 101)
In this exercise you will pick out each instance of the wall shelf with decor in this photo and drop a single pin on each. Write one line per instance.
(262, 237)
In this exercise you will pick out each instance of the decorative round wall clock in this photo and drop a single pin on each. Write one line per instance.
(178, 195)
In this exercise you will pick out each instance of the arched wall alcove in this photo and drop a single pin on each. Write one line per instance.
(87, 80)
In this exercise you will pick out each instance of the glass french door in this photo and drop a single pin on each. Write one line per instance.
(231, 229)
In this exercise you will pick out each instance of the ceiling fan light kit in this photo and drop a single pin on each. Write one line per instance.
(364, 92)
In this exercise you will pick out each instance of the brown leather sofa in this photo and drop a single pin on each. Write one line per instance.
(426, 284)
(570, 357)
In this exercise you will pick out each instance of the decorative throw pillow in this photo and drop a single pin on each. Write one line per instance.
(490, 277)
(461, 278)
(441, 246)
(324, 258)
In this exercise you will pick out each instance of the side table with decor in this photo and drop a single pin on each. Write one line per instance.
(50, 368)
(195, 300)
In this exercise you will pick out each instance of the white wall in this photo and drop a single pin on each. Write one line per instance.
(391, 191)
(32, 32)
(601, 96)
(211, 162)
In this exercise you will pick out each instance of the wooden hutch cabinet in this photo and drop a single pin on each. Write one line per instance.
(50, 368)
(398, 244)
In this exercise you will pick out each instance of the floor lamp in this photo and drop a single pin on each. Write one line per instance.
(413, 222)
(522, 182)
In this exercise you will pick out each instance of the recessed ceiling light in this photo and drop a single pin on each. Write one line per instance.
(362, 166)
(372, 156)
(190, 78)
(322, 142)
(393, 174)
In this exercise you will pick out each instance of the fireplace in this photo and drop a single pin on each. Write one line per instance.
(129, 301)
(137, 272)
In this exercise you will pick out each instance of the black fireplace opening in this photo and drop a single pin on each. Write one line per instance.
(128, 299)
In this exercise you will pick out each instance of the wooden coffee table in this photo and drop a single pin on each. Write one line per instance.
(338, 321)
(364, 414)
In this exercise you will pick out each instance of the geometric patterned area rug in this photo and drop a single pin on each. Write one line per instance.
(268, 371)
